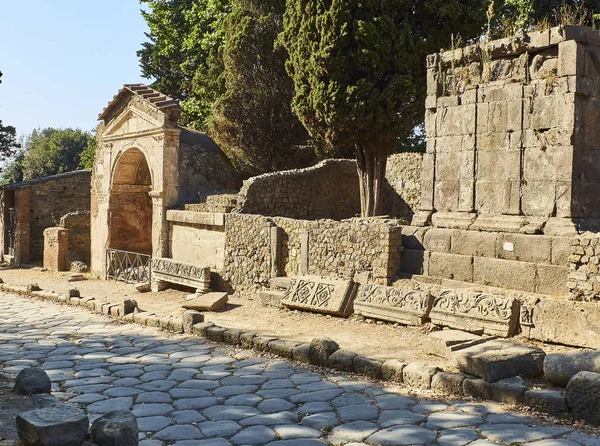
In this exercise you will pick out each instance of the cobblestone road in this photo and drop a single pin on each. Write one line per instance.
(189, 392)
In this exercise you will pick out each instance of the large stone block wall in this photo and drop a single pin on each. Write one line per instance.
(258, 248)
(512, 126)
(525, 262)
(78, 225)
(330, 190)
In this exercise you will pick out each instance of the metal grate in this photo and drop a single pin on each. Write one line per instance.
(125, 266)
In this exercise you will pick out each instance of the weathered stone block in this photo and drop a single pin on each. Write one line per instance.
(566, 322)
(127, 306)
(282, 348)
(206, 302)
(451, 266)
(232, 337)
(368, 367)
(527, 248)
(391, 370)
(321, 349)
(475, 312)
(552, 280)
(393, 304)
(181, 273)
(510, 274)
(448, 383)
(415, 261)
(342, 360)
(320, 294)
(32, 381)
(498, 359)
(115, 428)
(419, 375)
(53, 426)
(271, 298)
(215, 333)
(201, 328)
(561, 250)
(474, 243)
(477, 388)
(571, 58)
(560, 367)
(438, 240)
(261, 342)
(499, 223)
(246, 339)
(553, 402)
(509, 391)
(583, 396)
(191, 318)
(301, 353)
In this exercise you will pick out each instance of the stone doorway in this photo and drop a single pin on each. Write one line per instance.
(130, 208)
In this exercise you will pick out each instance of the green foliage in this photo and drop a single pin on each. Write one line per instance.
(8, 138)
(358, 66)
(253, 120)
(86, 157)
(183, 53)
(49, 152)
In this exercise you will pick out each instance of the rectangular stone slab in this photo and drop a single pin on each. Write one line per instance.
(320, 294)
(475, 312)
(181, 273)
(206, 302)
(392, 304)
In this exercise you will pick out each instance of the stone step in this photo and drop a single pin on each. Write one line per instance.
(271, 298)
(279, 283)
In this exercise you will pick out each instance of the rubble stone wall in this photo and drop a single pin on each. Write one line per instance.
(584, 267)
(330, 190)
(78, 224)
(257, 247)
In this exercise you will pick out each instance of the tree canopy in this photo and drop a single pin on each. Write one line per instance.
(8, 139)
(183, 53)
(253, 120)
(359, 72)
(49, 152)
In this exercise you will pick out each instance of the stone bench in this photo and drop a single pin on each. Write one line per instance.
(166, 271)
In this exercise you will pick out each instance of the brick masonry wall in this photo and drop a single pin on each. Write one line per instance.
(50, 200)
(330, 190)
(367, 250)
(78, 224)
(584, 267)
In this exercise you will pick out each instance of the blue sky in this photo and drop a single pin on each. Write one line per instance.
(63, 60)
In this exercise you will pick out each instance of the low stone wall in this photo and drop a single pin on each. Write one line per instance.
(525, 262)
(584, 271)
(330, 190)
(78, 225)
(258, 248)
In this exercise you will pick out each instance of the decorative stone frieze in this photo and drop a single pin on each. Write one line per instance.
(320, 294)
(408, 307)
(180, 273)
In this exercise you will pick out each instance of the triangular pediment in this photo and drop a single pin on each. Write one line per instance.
(131, 121)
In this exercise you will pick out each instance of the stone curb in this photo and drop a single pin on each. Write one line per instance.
(413, 375)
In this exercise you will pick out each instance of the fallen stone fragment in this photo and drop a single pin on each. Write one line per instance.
(583, 396)
(115, 428)
(321, 350)
(560, 367)
(206, 302)
(127, 306)
(73, 292)
(143, 287)
(60, 425)
(457, 339)
(32, 381)
(500, 359)
(76, 277)
(320, 294)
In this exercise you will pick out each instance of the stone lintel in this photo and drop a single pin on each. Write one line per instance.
(196, 218)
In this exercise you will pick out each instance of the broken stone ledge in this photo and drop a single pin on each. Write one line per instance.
(325, 352)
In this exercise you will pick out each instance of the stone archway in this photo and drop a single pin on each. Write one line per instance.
(130, 204)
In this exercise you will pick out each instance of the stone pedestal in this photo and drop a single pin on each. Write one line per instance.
(56, 249)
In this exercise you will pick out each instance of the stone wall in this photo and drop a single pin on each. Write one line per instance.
(330, 190)
(525, 262)
(584, 267)
(512, 126)
(78, 225)
(258, 248)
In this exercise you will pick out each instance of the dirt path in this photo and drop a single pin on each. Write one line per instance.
(365, 337)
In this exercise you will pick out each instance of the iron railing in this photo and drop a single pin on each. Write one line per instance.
(12, 229)
(126, 266)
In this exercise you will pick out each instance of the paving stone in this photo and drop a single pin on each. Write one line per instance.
(187, 416)
(150, 409)
(426, 407)
(299, 442)
(319, 395)
(223, 428)
(153, 424)
(294, 431)
(88, 398)
(456, 437)
(498, 418)
(351, 398)
(310, 408)
(229, 412)
(226, 391)
(402, 435)
(60, 425)
(254, 435)
(448, 420)
(245, 380)
(354, 431)
(518, 433)
(395, 417)
(211, 442)
(243, 400)
(358, 412)
(585, 439)
(554, 442)
(271, 419)
(178, 432)
(321, 420)
(195, 403)
(158, 385)
(275, 405)
(122, 391)
(387, 401)
(184, 392)
(123, 403)
(154, 397)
